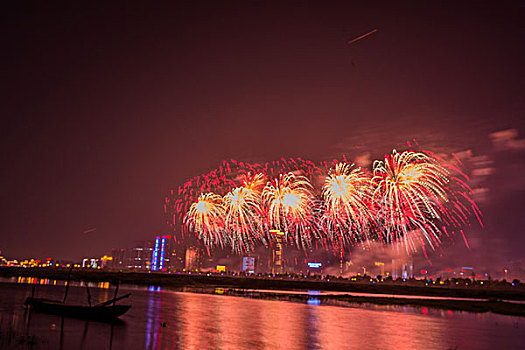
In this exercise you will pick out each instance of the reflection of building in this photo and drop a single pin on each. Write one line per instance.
(248, 264)
(192, 259)
(139, 257)
(277, 252)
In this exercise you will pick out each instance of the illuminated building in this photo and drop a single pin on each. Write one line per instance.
(407, 270)
(90, 263)
(30, 263)
(315, 267)
(277, 252)
(248, 264)
(13, 263)
(162, 253)
(3, 261)
(402, 269)
(395, 268)
(192, 259)
(105, 261)
(117, 258)
(381, 267)
(140, 256)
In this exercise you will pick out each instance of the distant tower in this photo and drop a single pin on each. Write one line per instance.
(277, 252)
(410, 269)
(395, 269)
(248, 264)
(117, 258)
(192, 259)
(162, 252)
(381, 267)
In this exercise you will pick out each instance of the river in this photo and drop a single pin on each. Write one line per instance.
(168, 319)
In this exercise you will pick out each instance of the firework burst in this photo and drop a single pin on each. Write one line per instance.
(206, 218)
(411, 197)
(410, 193)
(225, 178)
(346, 194)
(243, 226)
(288, 200)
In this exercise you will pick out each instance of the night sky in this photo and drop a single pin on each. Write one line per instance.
(107, 107)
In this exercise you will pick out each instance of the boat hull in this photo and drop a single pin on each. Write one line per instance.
(77, 311)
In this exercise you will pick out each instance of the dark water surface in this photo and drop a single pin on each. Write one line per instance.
(163, 319)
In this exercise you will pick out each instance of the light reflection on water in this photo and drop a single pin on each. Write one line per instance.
(161, 319)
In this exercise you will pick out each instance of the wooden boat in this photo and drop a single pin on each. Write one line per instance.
(103, 311)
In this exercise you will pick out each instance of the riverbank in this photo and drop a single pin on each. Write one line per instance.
(176, 280)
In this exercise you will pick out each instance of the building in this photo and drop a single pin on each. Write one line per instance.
(277, 252)
(92, 263)
(407, 271)
(381, 267)
(162, 253)
(3, 261)
(395, 268)
(117, 258)
(105, 261)
(315, 267)
(248, 264)
(139, 257)
(402, 269)
(166, 254)
(192, 261)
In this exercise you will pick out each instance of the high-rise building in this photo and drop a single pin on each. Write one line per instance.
(117, 258)
(395, 268)
(408, 270)
(248, 264)
(162, 253)
(192, 261)
(139, 257)
(403, 269)
(277, 252)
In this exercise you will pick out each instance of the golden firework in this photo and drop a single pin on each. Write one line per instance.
(206, 217)
(289, 202)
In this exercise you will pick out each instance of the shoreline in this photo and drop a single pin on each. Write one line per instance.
(486, 299)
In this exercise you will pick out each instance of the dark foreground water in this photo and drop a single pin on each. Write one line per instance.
(162, 319)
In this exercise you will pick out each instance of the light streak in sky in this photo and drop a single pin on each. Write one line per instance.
(361, 37)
